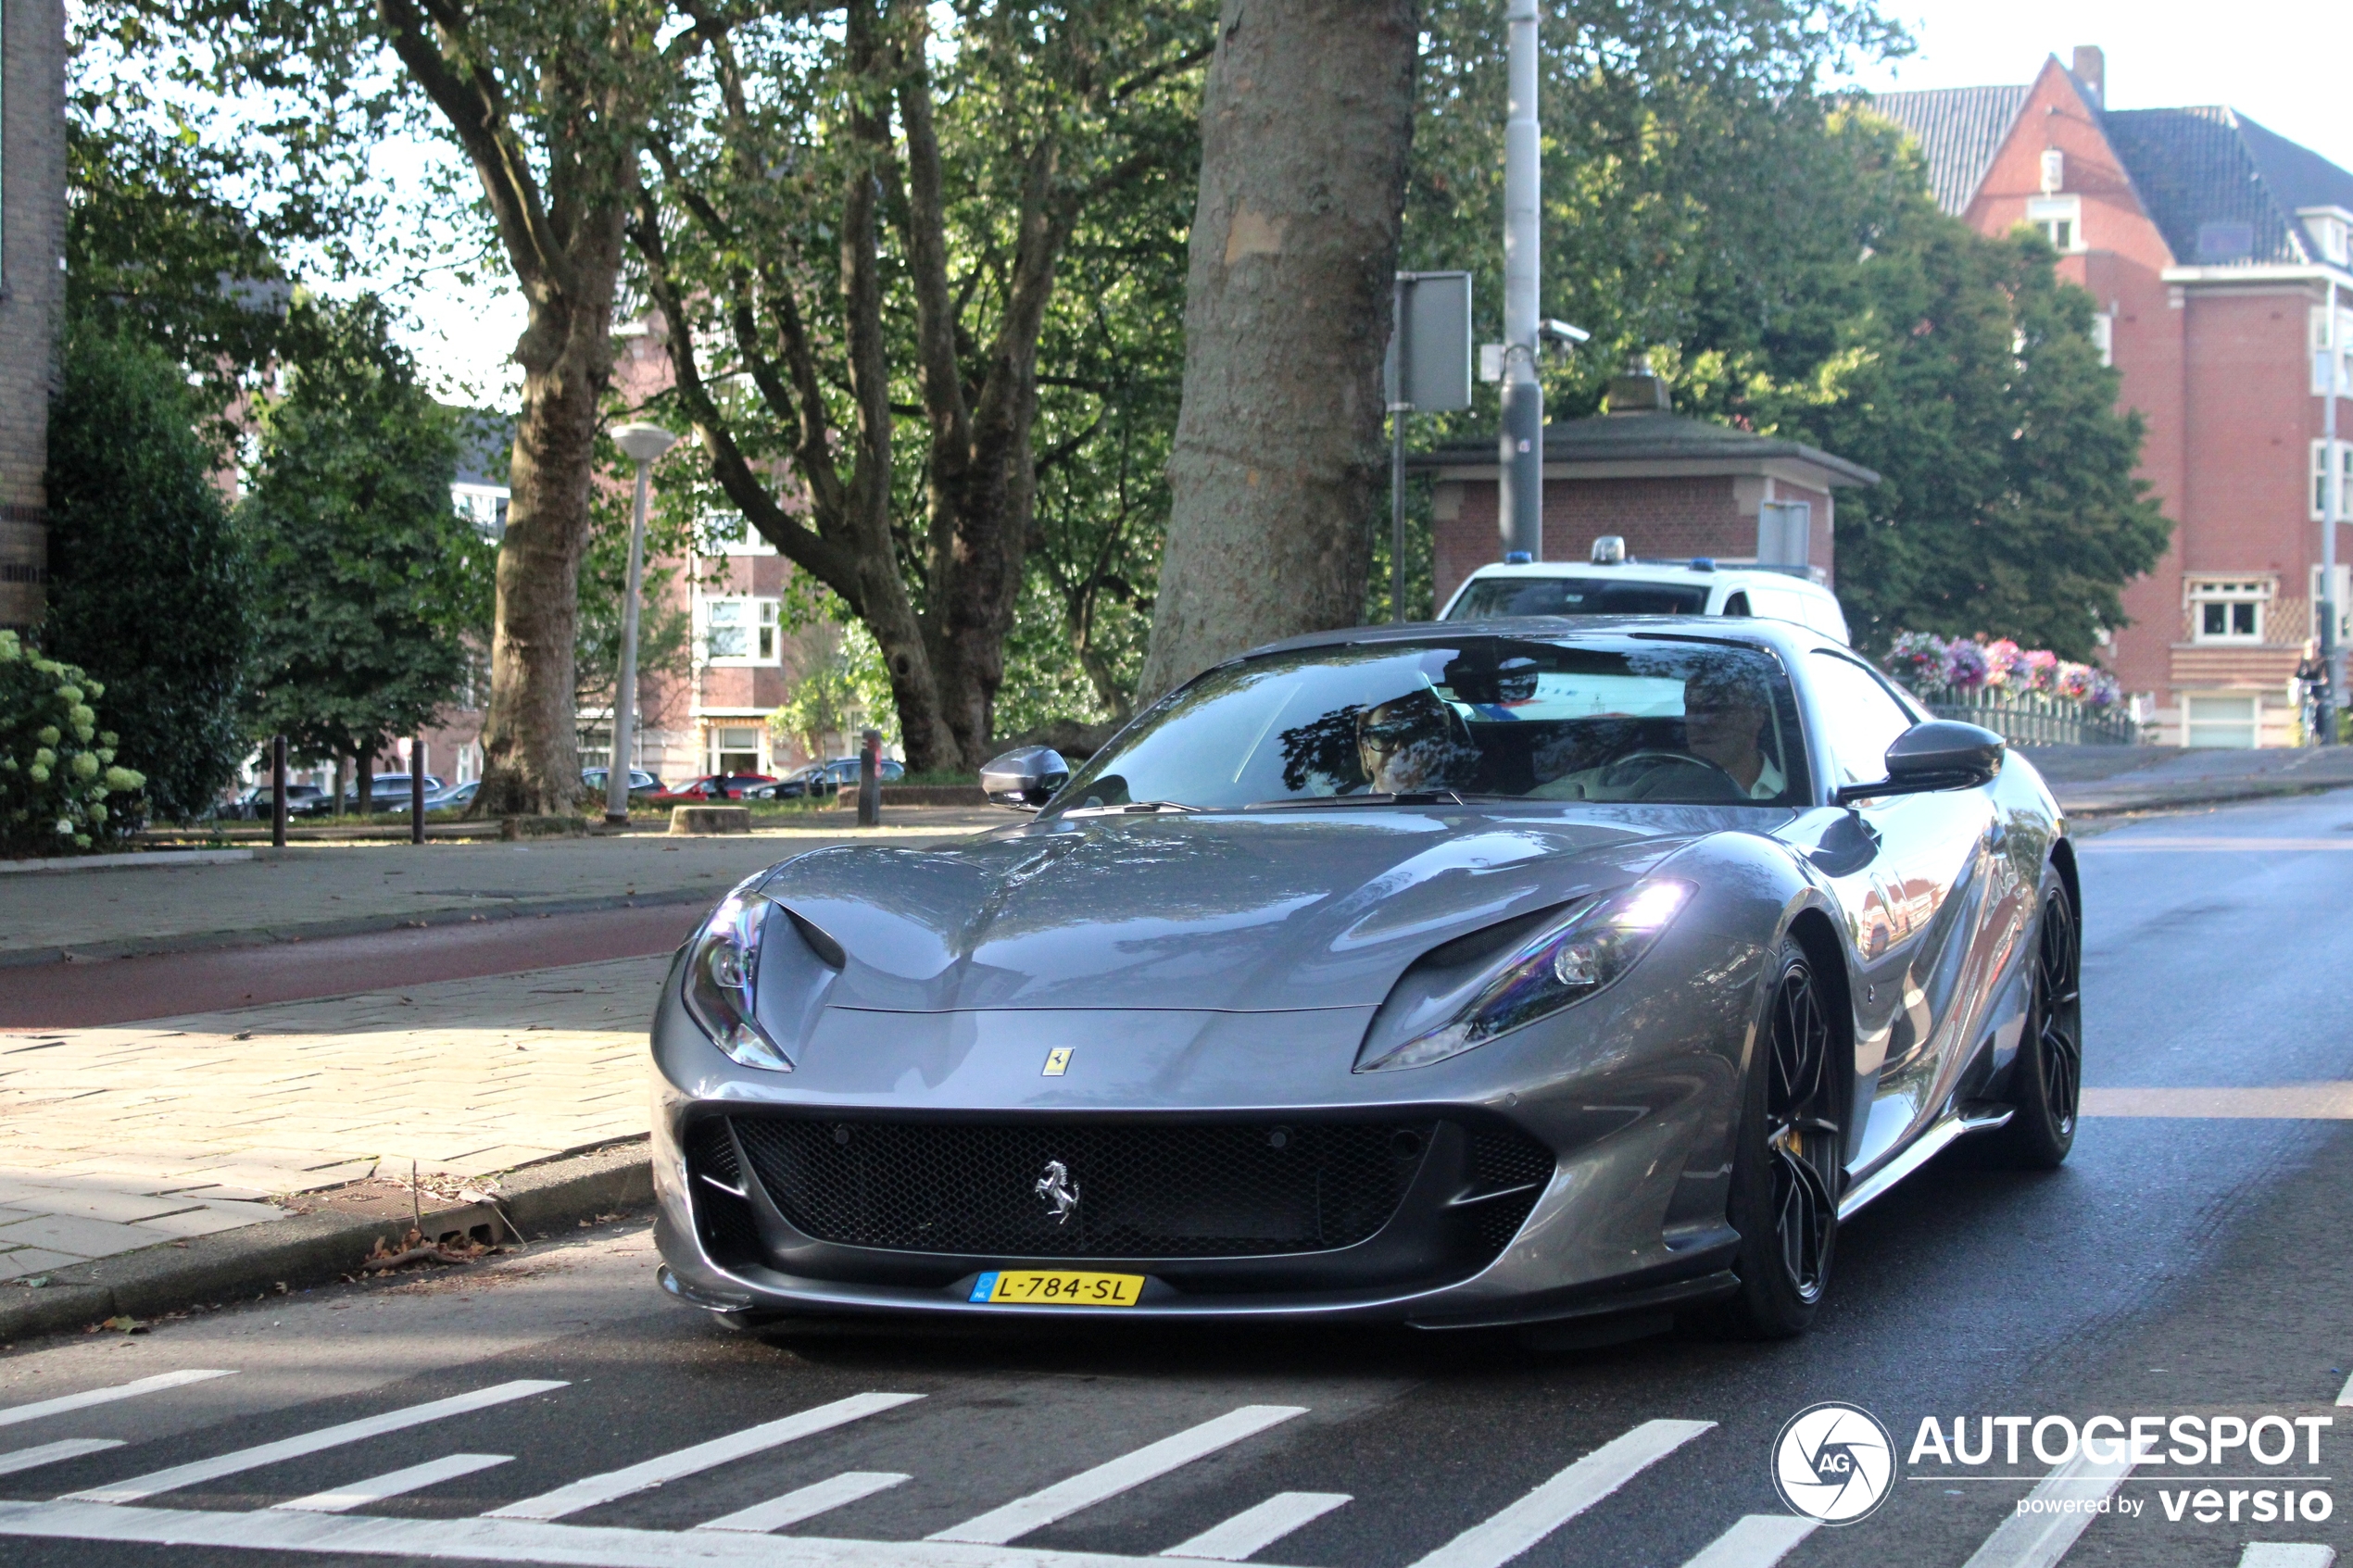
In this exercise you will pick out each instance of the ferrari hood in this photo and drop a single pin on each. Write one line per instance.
(1228, 912)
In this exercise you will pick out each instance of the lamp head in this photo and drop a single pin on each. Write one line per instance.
(642, 442)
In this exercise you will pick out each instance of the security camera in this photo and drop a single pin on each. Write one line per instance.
(1561, 332)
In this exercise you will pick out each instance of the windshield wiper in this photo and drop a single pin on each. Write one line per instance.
(1405, 797)
(1128, 808)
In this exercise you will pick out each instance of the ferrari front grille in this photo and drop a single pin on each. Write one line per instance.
(1124, 1190)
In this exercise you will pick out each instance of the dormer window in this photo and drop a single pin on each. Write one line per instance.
(2060, 219)
(2053, 173)
(2330, 231)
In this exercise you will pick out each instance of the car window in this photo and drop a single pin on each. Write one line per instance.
(1859, 718)
(1493, 597)
(1612, 719)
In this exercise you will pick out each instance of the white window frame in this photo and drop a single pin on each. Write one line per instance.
(721, 531)
(2331, 229)
(2317, 479)
(2061, 220)
(2323, 351)
(2054, 171)
(2228, 593)
(715, 746)
(756, 617)
(485, 505)
(2104, 336)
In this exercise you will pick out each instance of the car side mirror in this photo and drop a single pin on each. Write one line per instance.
(1939, 755)
(1025, 779)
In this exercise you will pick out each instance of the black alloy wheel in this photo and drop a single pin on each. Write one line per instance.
(1787, 1168)
(2047, 1076)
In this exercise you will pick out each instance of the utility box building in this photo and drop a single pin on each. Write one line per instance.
(1673, 486)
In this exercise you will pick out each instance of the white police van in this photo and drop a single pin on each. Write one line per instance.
(1611, 585)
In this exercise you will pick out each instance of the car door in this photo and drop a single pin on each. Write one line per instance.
(1929, 887)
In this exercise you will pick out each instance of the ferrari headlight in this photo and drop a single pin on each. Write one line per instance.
(723, 970)
(1558, 968)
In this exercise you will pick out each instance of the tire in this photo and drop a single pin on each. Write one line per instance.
(2046, 1076)
(1788, 1164)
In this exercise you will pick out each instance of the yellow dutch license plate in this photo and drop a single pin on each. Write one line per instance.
(1056, 1287)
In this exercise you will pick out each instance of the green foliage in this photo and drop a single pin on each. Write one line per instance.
(368, 583)
(665, 633)
(148, 587)
(1969, 379)
(60, 789)
(843, 691)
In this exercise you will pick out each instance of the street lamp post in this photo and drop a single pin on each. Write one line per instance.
(641, 445)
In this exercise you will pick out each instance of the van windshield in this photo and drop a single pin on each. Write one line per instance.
(1493, 597)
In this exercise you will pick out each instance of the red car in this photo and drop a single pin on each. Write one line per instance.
(711, 787)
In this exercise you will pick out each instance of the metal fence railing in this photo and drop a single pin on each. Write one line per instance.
(2036, 719)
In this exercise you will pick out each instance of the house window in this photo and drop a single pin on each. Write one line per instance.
(735, 749)
(728, 532)
(2104, 336)
(2227, 610)
(2320, 480)
(2060, 219)
(741, 631)
(2222, 720)
(2326, 351)
(2053, 173)
(2225, 240)
(2328, 227)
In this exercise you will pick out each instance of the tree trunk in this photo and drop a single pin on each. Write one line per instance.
(530, 742)
(1305, 128)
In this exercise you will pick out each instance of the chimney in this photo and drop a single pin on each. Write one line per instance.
(2091, 72)
(1639, 391)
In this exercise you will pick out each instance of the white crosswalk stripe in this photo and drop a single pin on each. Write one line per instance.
(359, 1494)
(2344, 1395)
(50, 1453)
(595, 1489)
(1760, 1540)
(1254, 1529)
(2285, 1554)
(807, 1503)
(1499, 1539)
(2039, 1536)
(1109, 1479)
(156, 1385)
(310, 1442)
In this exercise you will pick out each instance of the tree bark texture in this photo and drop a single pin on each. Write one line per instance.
(1276, 471)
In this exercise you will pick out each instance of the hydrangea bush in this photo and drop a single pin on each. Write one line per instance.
(60, 790)
(1932, 667)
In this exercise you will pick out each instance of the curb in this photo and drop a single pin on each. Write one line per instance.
(141, 860)
(357, 925)
(315, 1248)
(2213, 797)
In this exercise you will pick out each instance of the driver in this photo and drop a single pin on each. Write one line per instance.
(1410, 743)
(1726, 716)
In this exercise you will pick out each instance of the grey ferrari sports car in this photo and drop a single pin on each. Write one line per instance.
(1462, 974)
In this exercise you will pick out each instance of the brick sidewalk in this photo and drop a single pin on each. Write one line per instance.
(130, 1136)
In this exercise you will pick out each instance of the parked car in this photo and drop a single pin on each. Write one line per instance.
(302, 800)
(710, 787)
(819, 780)
(641, 783)
(456, 798)
(389, 791)
(1557, 967)
(806, 780)
(1611, 585)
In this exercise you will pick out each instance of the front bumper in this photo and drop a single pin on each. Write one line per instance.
(1623, 1207)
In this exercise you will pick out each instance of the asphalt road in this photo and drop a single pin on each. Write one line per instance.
(2185, 1265)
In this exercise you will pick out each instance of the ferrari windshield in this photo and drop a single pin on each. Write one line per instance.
(1618, 719)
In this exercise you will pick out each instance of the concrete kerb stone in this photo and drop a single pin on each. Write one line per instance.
(314, 1248)
(2156, 801)
(360, 925)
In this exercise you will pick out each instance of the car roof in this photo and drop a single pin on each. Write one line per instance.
(1651, 572)
(1785, 637)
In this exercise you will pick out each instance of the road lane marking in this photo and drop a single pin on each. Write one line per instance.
(2294, 1102)
(806, 1503)
(2345, 1395)
(390, 1485)
(1114, 1476)
(2283, 1554)
(155, 1385)
(50, 1453)
(2039, 1539)
(1254, 1529)
(1497, 1540)
(310, 1442)
(1758, 1540)
(591, 1490)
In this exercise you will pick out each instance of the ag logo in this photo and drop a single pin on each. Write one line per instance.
(1833, 1462)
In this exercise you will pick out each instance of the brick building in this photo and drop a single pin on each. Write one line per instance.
(1672, 486)
(32, 217)
(2214, 249)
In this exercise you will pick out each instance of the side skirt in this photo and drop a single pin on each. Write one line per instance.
(1922, 1149)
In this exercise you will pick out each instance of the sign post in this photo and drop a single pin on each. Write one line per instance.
(1428, 371)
